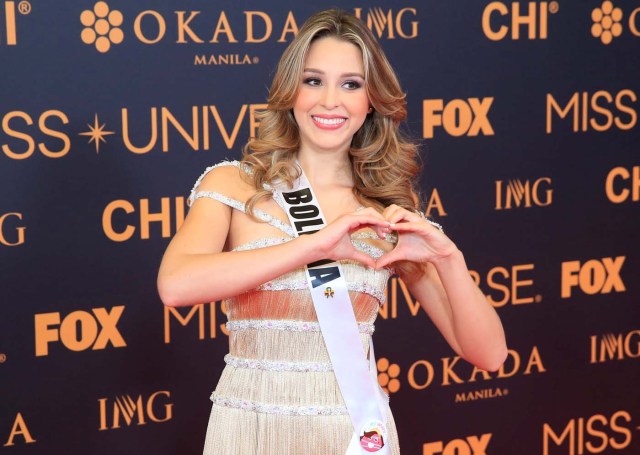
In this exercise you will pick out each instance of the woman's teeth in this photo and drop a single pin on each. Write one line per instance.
(330, 121)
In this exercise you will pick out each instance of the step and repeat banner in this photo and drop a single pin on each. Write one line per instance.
(527, 118)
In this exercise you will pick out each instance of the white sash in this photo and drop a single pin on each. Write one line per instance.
(365, 400)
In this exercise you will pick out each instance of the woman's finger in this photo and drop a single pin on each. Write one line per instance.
(413, 226)
(364, 259)
(356, 222)
(395, 214)
(381, 232)
(368, 211)
(387, 258)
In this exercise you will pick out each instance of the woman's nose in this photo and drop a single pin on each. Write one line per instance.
(330, 97)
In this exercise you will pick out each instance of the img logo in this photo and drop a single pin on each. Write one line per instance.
(615, 347)
(390, 23)
(518, 193)
(135, 411)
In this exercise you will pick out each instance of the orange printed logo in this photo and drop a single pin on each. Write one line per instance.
(507, 285)
(589, 435)
(119, 226)
(10, 22)
(458, 117)
(11, 232)
(596, 276)
(157, 408)
(499, 18)
(20, 430)
(17, 126)
(388, 375)
(599, 111)
(615, 347)
(208, 325)
(471, 445)
(518, 193)
(79, 330)
(102, 27)
(606, 22)
(623, 184)
(609, 22)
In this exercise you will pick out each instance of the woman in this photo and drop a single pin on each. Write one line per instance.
(333, 113)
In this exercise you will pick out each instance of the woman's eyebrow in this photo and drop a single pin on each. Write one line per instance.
(317, 71)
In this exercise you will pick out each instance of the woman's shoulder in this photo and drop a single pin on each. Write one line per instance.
(228, 178)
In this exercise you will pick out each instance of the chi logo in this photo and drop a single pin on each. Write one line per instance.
(328, 292)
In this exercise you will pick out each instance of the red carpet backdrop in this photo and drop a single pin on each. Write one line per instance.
(527, 115)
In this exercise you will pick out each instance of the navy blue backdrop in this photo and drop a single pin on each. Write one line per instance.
(527, 115)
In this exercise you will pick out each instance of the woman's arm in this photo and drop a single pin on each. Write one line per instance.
(446, 291)
(195, 269)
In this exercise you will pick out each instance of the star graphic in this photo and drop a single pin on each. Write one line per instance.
(96, 134)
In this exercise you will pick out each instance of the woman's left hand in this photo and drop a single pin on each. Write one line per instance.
(418, 240)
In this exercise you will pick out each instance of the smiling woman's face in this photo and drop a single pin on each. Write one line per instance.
(332, 102)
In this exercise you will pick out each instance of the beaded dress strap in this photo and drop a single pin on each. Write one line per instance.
(264, 216)
(238, 205)
(235, 163)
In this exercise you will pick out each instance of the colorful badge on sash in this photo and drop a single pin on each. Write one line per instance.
(373, 436)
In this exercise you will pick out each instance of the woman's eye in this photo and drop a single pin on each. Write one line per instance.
(312, 81)
(352, 85)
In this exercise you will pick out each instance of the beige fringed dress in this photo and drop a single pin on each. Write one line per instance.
(278, 393)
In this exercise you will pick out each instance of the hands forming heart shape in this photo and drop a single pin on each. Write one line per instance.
(419, 240)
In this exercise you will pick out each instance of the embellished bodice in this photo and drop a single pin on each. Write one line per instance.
(277, 361)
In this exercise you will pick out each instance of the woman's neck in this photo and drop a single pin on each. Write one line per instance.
(326, 169)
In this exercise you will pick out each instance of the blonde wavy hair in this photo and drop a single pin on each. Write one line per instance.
(384, 163)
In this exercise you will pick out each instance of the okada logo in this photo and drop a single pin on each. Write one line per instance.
(609, 21)
(101, 27)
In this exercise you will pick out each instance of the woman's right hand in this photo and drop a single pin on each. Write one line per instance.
(334, 240)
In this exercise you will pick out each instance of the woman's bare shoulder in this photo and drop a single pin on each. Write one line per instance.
(229, 178)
